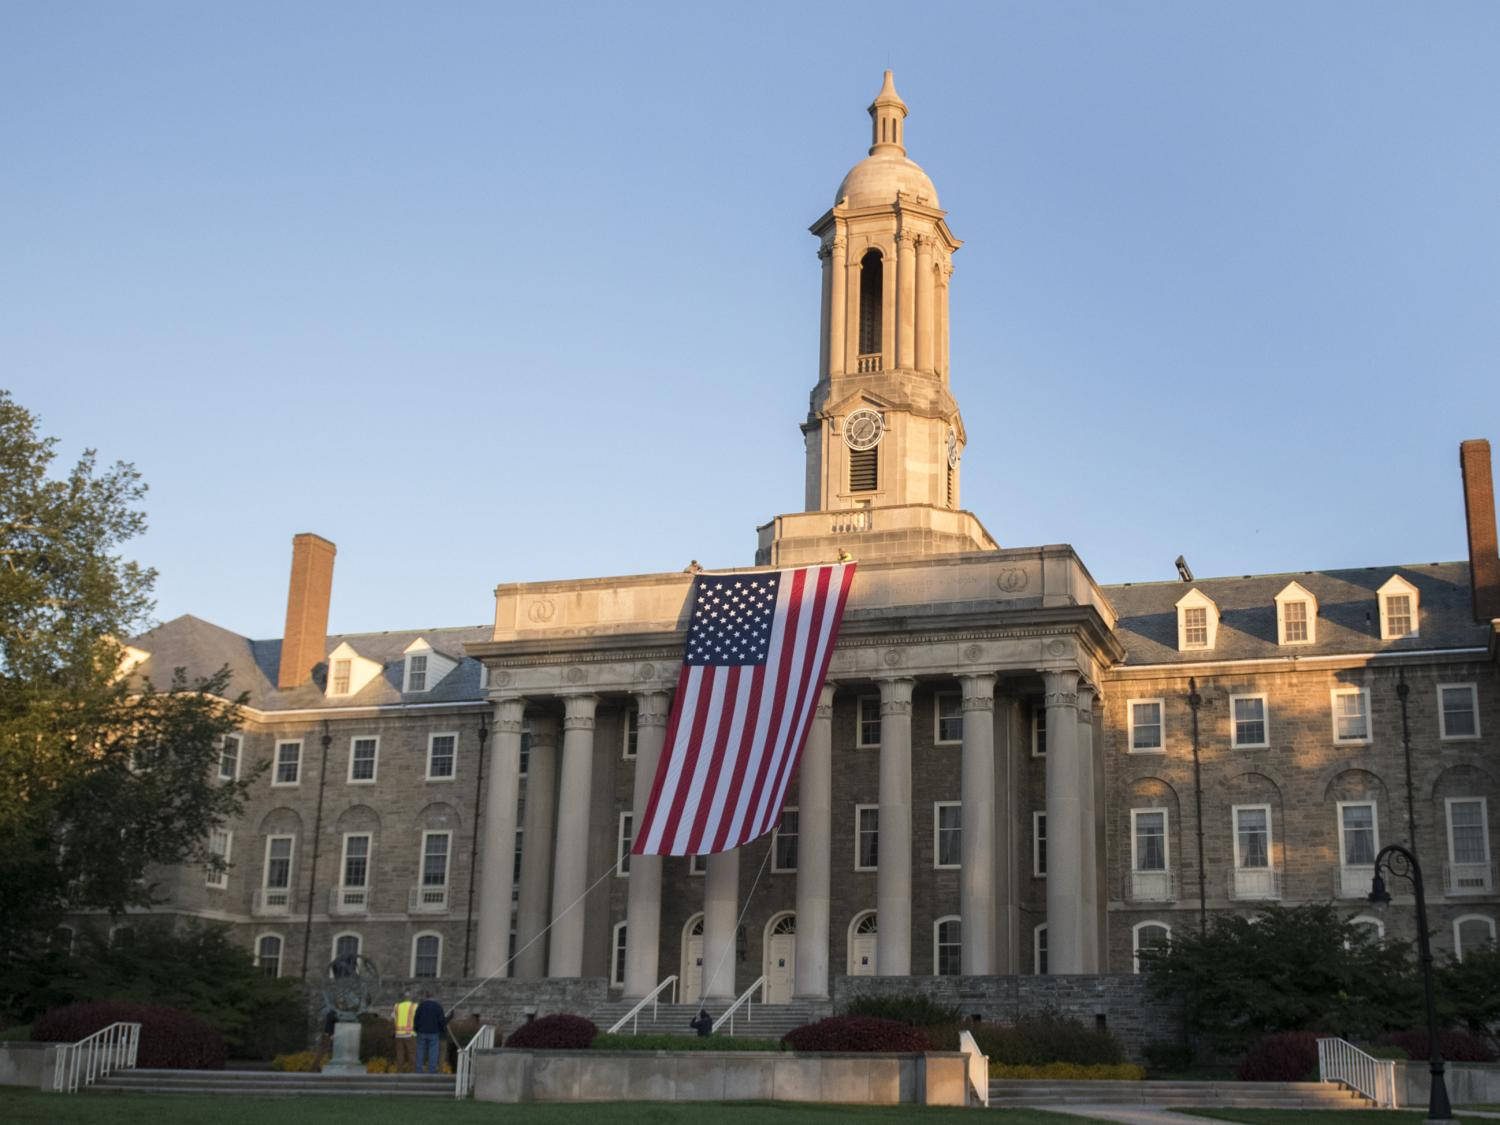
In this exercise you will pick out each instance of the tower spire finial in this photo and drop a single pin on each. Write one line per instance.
(888, 119)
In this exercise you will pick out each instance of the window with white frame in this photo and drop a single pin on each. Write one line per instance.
(1148, 839)
(866, 837)
(1039, 844)
(356, 862)
(362, 759)
(1399, 614)
(624, 839)
(617, 947)
(288, 763)
(1038, 732)
(630, 733)
(1249, 728)
(1458, 711)
(1472, 932)
(1147, 936)
(268, 954)
(1296, 615)
(278, 869)
(698, 865)
(948, 711)
(1039, 950)
(220, 841)
(1146, 726)
(947, 834)
(442, 756)
(339, 680)
(1252, 837)
(1294, 623)
(1358, 834)
(1372, 925)
(416, 671)
(947, 947)
(435, 860)
(427, 955)
(229, 758)
(1197, 621)
(346, 946)
(1195, 627)
(1468, 845)
(867, 733)
(784, 842)
(1351, 715)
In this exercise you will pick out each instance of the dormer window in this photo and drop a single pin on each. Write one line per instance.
(416, 672)
(423, 667)
(1197, 621)
(340, 684)
(349, 673)
(1296, 616)
(1398, 609)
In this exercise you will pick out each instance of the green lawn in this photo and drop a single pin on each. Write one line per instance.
(1340, 1116)
(31, 1107)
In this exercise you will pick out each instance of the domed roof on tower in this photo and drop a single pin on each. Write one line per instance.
(879, 177)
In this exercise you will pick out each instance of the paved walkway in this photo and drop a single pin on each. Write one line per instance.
(1132, 1114)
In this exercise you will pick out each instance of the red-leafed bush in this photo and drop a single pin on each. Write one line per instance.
(170, 1038)
(1282, 1056)
(856, 1033)
(1457, 1046)
(554, 1033)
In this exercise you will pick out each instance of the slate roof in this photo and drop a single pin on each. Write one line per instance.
(202, 648)
(1348, 617)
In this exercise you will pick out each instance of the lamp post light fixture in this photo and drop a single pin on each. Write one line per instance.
(1401, 862)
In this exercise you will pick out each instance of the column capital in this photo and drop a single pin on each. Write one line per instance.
(578, 711)
(1061, 686)
(509, 714)
(544, 727)
(978, 691)
(895, 694)
(1087, 693)
(651, 708)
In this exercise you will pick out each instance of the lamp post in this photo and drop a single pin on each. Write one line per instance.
(1400, 862)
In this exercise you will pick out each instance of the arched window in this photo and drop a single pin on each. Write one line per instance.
(346, 945)
(863, 932)
(268, 954)
(1039, 950)
(947, 947)
(617, 957)
(871, 281)
(427, 955)
(1472, 932)
(1368, 921)
(1148, 935)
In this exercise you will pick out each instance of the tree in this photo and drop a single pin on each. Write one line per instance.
(102, 777)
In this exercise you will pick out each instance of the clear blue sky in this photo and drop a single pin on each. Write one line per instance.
(489, 292)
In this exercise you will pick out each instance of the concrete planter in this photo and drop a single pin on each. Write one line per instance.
(937, 1078)
(28, 1064)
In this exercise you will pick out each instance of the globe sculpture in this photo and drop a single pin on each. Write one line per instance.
(349, 988)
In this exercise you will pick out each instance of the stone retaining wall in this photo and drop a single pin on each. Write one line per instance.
(501, 1002)
(28, 1064)
(1467, 1083)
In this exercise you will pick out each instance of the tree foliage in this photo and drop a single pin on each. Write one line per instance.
(102, 778)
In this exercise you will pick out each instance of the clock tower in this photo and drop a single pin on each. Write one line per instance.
(884, 437)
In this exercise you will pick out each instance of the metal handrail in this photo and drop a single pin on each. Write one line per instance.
(744, 999)
(1341, 1061)
(650, 998)
(108, 1049)
(463, 1073)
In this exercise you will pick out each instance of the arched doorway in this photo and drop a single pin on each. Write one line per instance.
(780, 965)
(690, 976)
(862, 945)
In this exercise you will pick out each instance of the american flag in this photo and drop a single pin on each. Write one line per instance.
(758, 647)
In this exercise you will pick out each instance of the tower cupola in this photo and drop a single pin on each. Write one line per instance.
(888, 119)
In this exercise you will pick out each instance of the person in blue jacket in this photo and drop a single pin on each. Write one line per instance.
(429, 1023)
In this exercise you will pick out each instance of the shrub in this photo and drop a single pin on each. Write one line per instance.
(380, 1066)
(169, 1038)
(607, 1042)
(1048, 1037)
(911, 1008)
(1071, 1072)
(18, 1034)
(1457, 1046)
(855, 1033)
(299, 1062)
(377, 1037)
(1282, 1056)
(561, 1032)
(1168, 1054)
(1384, 1051)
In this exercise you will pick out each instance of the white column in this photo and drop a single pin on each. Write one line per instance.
(851, 315)
(893, 877)
(906, 299)
(924, 303)
(536, 850)
(570, 867)
(643, 901)
(814, 824)
(887, 308)
(497, 866)
(1064, 831)
(838, 309)
(977, 877)
(721, 896)
(1089, 844)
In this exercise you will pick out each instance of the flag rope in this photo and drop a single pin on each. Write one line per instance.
(745, 910)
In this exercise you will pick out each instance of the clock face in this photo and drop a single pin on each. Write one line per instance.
(863, 429)
(952, 448)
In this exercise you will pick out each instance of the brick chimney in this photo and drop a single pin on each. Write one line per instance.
(306, 634)
(1479, 510)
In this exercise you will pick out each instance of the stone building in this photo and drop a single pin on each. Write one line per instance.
(1011, 771)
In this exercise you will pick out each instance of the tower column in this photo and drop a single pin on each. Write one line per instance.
(814, 826)
(946, 272)
(851, 315)
(906, 299)
(721, 887)
(977, 877)
(924, 303)
(498, 864)
(887, 309)
(1089, 843)
(893, 875)
(570, 869)
(643, 901)
(1064, 825)
(836, 271)
(536, 849)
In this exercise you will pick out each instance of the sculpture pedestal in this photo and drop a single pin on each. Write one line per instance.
(345, 1059)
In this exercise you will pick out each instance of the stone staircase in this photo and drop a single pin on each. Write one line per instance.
(270, 1083)
(759, 1021)
(1237, 1095)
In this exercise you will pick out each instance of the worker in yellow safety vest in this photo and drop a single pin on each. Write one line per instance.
(403, 1015)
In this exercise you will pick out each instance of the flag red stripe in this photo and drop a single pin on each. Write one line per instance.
(663, 767)
(723, 810)
(693, 746)
(731, 678)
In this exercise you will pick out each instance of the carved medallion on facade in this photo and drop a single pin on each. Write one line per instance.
(500, 678)
(1012, 580)
(646, 672)
(891, 657)
(574, 675)
(541, 611)
(973, 652)
(1056, 647)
